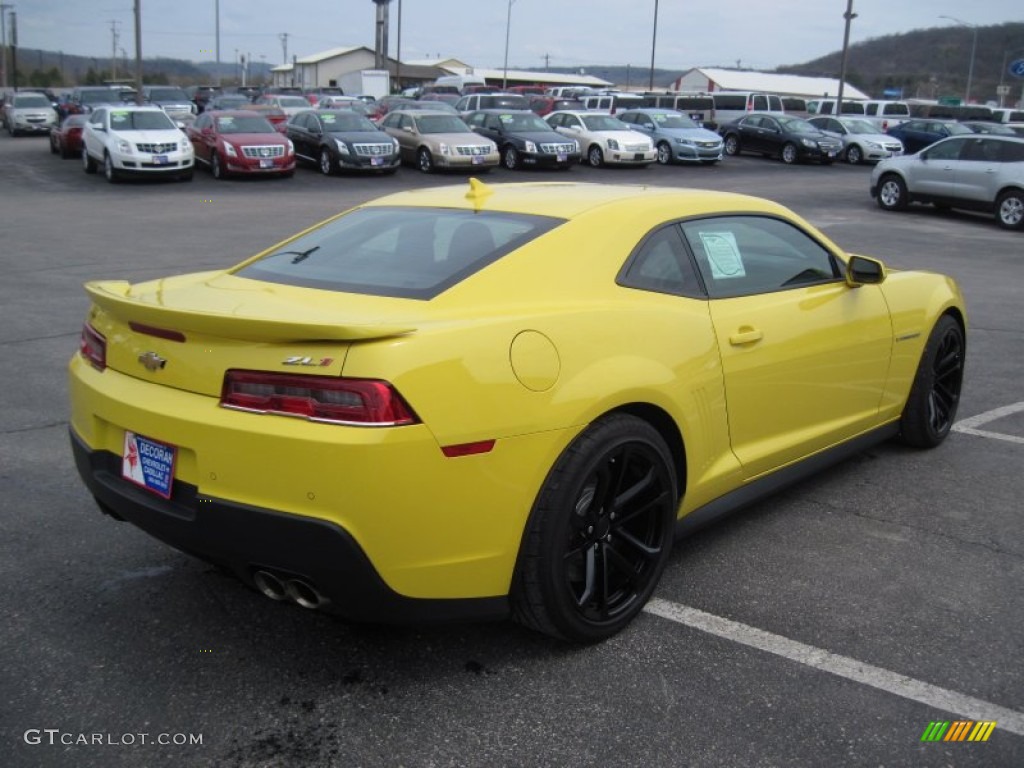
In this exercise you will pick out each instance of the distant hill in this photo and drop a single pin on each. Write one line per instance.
(925, 63)
(928, 63)
(53, 69)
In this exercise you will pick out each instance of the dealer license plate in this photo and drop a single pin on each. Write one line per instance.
(160, 160)
(376, 161)
(562, 157)
(148, 463)
(266, 163)
(478, 159)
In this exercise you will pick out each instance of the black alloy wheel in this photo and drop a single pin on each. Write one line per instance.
(600, 533)
(931, 407)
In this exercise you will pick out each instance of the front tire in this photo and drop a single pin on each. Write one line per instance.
(88, 164)
(892, 193)
(664, 153)
(109, 171)
(935, 394)
(854, 155)
(732, 145)
(511, 159)
(1010, 209)
(425, 160)
(326, 162)
(600, 533)
(595, 156)
(789, 153)
(216, 167)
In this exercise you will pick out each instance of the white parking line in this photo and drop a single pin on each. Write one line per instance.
(842, 666)
(970, 425)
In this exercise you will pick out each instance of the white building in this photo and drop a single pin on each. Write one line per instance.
(709, 79)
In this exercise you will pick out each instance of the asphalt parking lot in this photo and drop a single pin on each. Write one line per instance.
(827, 626)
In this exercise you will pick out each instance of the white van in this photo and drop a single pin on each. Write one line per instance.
(732, 105)
(886, 114)
(460, 81)
(828, 107)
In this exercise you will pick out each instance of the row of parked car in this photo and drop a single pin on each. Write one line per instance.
(434, 135)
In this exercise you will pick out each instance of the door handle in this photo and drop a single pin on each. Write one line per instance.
(745, 335)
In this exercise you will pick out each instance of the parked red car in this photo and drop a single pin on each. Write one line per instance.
(66, 138)
(240, 142)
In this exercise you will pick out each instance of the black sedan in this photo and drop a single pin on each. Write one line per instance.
(334, 140)
(918, 134)
(790, 138)
(524, 140)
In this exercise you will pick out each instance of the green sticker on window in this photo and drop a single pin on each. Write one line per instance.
(723, 255)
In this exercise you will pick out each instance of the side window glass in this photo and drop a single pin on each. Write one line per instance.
(747, 255)
(760, 103)
(947, 150)
(983, 150)
(1011, 151)
(661, 264)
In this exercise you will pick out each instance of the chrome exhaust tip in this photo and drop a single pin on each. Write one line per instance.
(305, 594)
(270, 585)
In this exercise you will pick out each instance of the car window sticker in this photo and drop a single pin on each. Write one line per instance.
(723, 255)
(327, 118)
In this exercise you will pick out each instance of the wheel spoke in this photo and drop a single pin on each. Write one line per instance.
(647, 552)
(588, 577)
(622, 519)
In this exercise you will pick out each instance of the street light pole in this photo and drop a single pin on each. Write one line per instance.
(974, 48)
(654, 40)
(849, 16)
(508, 27)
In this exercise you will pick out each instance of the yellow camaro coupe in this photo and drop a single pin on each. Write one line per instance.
(489, 401)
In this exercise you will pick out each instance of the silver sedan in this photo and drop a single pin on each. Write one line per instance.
(861, 140)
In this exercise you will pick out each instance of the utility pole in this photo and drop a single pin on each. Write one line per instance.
(138, 52)
(216, 10)
(14, 49)
(849, 16)
(113, 49)
(654, 40)
(284, 47)
(3, 43)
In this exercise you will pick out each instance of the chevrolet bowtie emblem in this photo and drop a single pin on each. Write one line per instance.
(152, 361)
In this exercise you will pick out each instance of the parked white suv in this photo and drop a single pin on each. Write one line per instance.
(135, 140)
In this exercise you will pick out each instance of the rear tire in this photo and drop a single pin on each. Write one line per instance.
(732, 145)
(600, 533)
(935, 394)
(88, 164)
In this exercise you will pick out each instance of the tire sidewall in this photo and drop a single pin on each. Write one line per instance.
(553, 510)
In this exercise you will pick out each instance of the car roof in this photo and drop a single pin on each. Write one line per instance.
(422, 112)
(571, 199)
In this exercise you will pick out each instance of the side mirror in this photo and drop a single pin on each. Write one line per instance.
(861, 270)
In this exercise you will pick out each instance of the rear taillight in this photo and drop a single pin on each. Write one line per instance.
(365, 402)
(93, 347)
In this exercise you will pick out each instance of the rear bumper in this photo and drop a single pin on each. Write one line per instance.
(246, 539)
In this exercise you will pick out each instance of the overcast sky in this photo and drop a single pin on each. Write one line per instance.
(760, 34)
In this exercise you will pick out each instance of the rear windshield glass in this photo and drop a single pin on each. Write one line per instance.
(413, 253)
